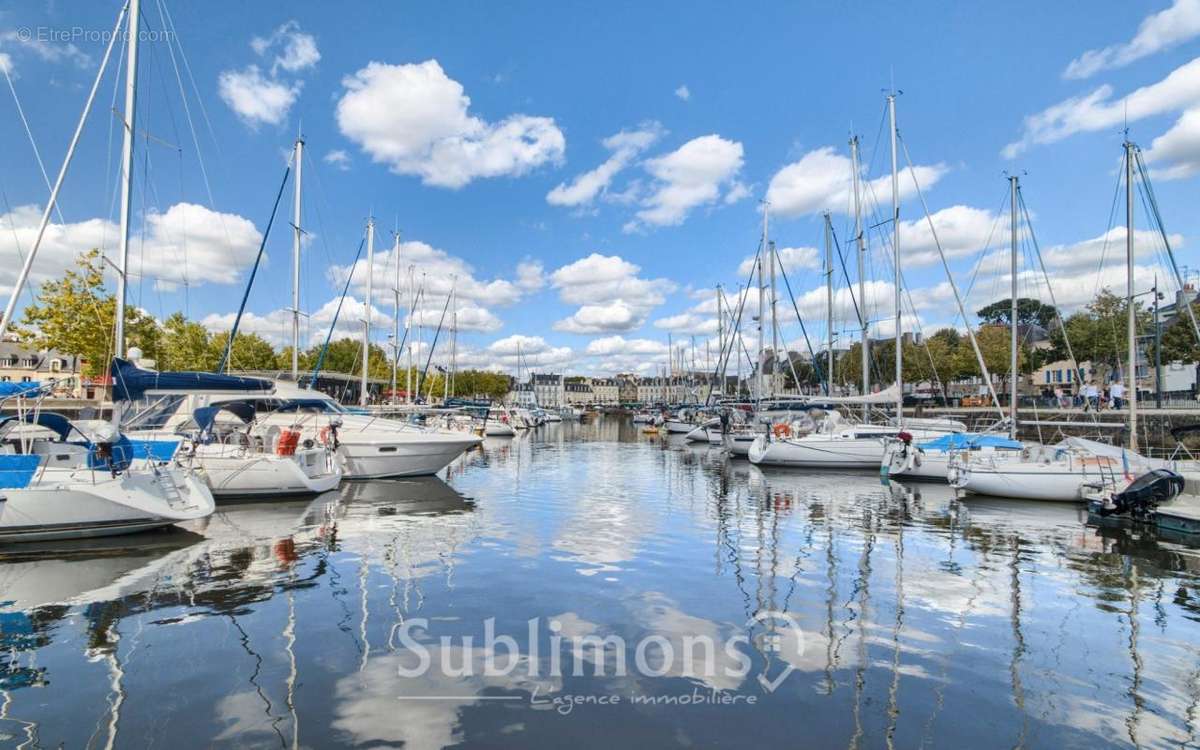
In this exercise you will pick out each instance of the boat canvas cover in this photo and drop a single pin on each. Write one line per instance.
(131, 383)
(965, 441)
(16, 389)
(16, 470)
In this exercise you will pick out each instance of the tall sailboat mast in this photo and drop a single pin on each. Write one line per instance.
(862, 283)
(366, 360)
(131, 67)
(828, 303)
(298, 158)
(891, 101)
(761, 306)
(396, 317)
(1013, 375)
(1131, 374)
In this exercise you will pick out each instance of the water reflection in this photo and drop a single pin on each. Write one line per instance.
(926, 620)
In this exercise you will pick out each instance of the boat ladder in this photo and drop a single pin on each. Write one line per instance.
(174, 497)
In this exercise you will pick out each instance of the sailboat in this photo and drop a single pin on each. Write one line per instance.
(904, 459)
(238, 456)
(1075, 468)
(836, 443)
(65, 480)
(73, 480)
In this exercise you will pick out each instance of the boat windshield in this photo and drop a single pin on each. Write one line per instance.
(154, 413)
(310, 406)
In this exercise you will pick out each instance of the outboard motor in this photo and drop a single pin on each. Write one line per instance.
(1144, 494)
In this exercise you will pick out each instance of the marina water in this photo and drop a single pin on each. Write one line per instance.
(587, 584)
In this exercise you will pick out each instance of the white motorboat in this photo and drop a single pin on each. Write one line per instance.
(1066, 472)
(930, 461)
(66, 481)
(367, 447)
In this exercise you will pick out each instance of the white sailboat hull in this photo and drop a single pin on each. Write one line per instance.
(739, 443)
(677, 427)
(1026, 482)
(78, 504)
(253, 475)
(819, 452)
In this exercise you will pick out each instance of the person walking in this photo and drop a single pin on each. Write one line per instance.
(1117, 390)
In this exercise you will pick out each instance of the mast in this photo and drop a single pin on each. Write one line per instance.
(366, 361)
(454, 339)
(721, 343)
(1012, 320)
(862, 284)
(829, 302)
(1131, 374)
(761, 307)
(131, 67)
(296, 232)
(891, 101)
(52, 204)
(396, 318)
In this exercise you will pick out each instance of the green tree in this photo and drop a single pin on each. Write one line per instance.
(250, 351)
(74, 314)
(1179, 339)
(186, 346)
(1029, 312)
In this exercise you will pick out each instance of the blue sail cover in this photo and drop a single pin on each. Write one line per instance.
(16, 470)
(958, 441)
(131, 383)
(15, 389)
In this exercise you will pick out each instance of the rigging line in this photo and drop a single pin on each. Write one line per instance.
(978, 265)
(723, 358)
(1049, 289)
(1163, 232)
(949, 277)
(853, 298)
(29, 133)
(225, 356)
(312, 383)
(192, 79)
(212, 203)
(1112, 212)
(800, 320)
(109, 182)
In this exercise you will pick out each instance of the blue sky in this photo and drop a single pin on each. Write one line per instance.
(591, 171)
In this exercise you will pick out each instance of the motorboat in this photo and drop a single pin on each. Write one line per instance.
(240, 457)
(73, 480)
(367, 447)
(930, 460)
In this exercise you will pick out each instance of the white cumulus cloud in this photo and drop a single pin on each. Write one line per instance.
(416, 120)
(822, 180)
(1157, 32)
(1098, 110)
(610, 294)
(693, 175)
(260, 98)
(625, 147)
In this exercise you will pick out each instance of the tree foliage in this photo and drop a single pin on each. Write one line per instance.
(75, 315)
(1029, 312)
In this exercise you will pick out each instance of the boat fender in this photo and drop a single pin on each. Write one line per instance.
(917, 459)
